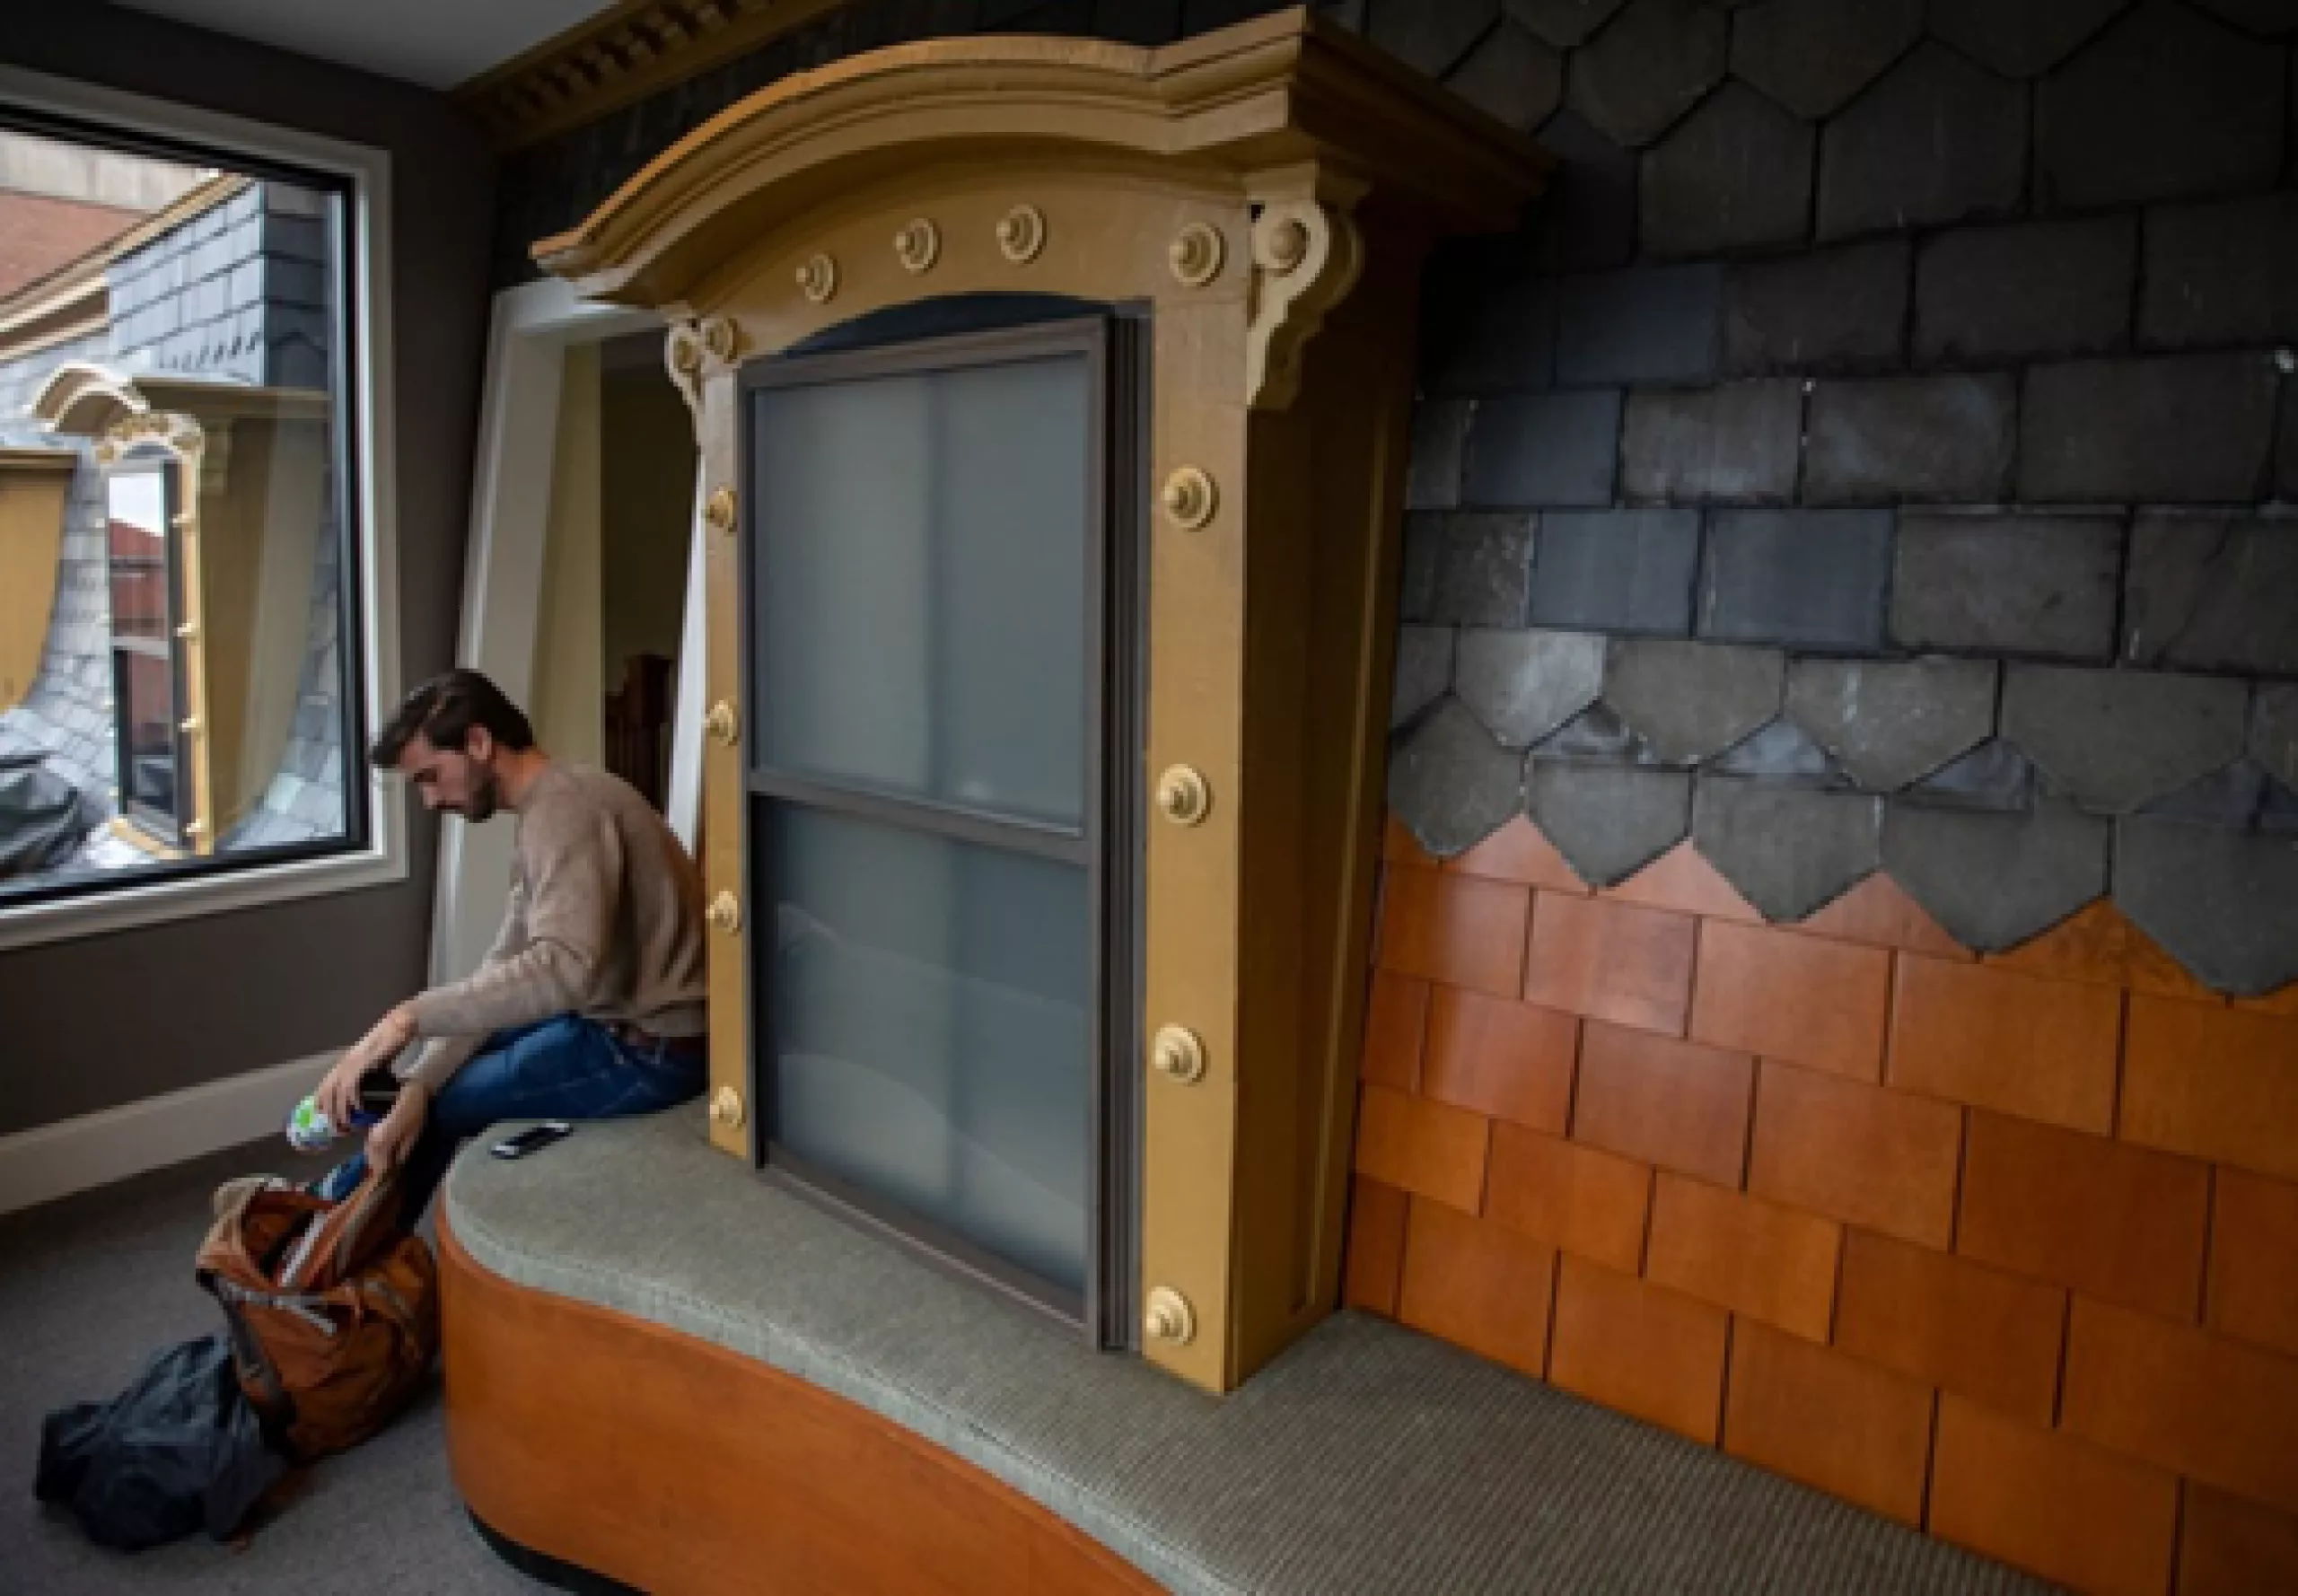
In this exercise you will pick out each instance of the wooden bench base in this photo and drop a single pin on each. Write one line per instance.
(657, 1460)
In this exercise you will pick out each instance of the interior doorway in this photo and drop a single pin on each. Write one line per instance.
(615, 564)
(583, 557)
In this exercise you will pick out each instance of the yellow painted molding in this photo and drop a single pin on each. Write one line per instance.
(250, 506)
(34, 486)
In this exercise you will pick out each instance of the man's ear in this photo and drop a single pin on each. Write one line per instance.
(478, 742)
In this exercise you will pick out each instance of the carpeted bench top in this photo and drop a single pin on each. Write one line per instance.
(1368, 1458)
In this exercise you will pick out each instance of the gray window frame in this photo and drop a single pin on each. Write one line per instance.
(1108, 846)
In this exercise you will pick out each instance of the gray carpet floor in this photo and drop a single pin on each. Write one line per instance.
(92, 1285)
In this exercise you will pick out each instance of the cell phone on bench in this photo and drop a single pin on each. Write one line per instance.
(532, 1139)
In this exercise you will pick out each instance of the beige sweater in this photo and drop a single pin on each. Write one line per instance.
(605, 921)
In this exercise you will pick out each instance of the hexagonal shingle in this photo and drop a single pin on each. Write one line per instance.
(1564, 22)
(1450, 784)
(1511, 77)
(1938, 139)
(1608, 821)
(1692, 700)
(1650, 66)
(2259, 16)
(1424, 670)
(1736, 173)
(2224, 904)
(1790, 850)
(1891, 723)
(2115, 739)
(1991, 879)
(1524, 685)
(2020, 38)
(2274, 732)
(1812, 55)
(2165, 103)
(1429, 35)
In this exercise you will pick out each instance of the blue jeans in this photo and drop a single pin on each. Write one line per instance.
(561, 1068)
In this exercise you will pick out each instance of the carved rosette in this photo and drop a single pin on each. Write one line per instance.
(1306, 258)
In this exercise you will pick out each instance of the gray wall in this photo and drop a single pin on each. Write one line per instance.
(1877, 455)
(106, 1021)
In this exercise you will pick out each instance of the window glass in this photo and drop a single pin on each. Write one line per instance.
(929, 1003)
(179, 642)
(921, 601)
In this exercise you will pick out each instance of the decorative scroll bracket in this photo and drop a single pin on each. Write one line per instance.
(696, 351)
(1307, 256)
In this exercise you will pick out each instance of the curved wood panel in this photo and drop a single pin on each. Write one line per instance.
(653, 1458)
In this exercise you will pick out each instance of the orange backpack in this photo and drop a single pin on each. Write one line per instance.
(334, 1312)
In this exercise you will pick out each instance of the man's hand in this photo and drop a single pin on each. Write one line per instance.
(339, 1095)
(389, 1142)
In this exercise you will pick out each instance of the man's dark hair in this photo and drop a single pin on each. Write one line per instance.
(444, 709)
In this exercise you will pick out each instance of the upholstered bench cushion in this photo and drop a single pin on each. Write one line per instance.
(1367, 1458)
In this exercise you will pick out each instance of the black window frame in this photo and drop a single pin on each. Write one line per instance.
(1113, 339)
(348, 471)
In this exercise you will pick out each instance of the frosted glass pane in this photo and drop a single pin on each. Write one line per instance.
(920, 617)
(929, 1002)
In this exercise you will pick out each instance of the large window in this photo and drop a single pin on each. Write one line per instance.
(187, 629)
(939, 653)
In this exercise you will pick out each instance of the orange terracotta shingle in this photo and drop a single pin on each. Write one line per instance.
(2216, 1410)
(1879, 913)
(1776, 1264)
(2253, 1292)
(1417, 1145)
(1507, 1059)
(1586, 1202)
(1374, 1257)
(1679, 1105)
(1396, 1020)
(1638, 1348)
(2099, 945)
(1787, 995)
(2228, 1547)
(2051, 1504)
(2221, 1084)
(1455, 929)
(2114, 1221)
(1477, 1285)
(1398, 845)
(1847, 1427)
(1682, 880)
(1998, 1039)
(1610, 961)
(1854, 1152)
(1992, 1336)
(1517, 852)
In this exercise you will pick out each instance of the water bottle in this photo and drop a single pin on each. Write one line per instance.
(309, 1128)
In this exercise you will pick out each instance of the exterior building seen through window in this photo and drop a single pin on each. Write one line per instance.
(177, 625)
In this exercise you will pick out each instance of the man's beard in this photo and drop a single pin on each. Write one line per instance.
(486, 798)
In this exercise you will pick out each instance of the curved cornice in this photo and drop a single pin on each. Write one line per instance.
(1265, 101)
(83, 399)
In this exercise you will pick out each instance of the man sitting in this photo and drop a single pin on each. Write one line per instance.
(590, 1005)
